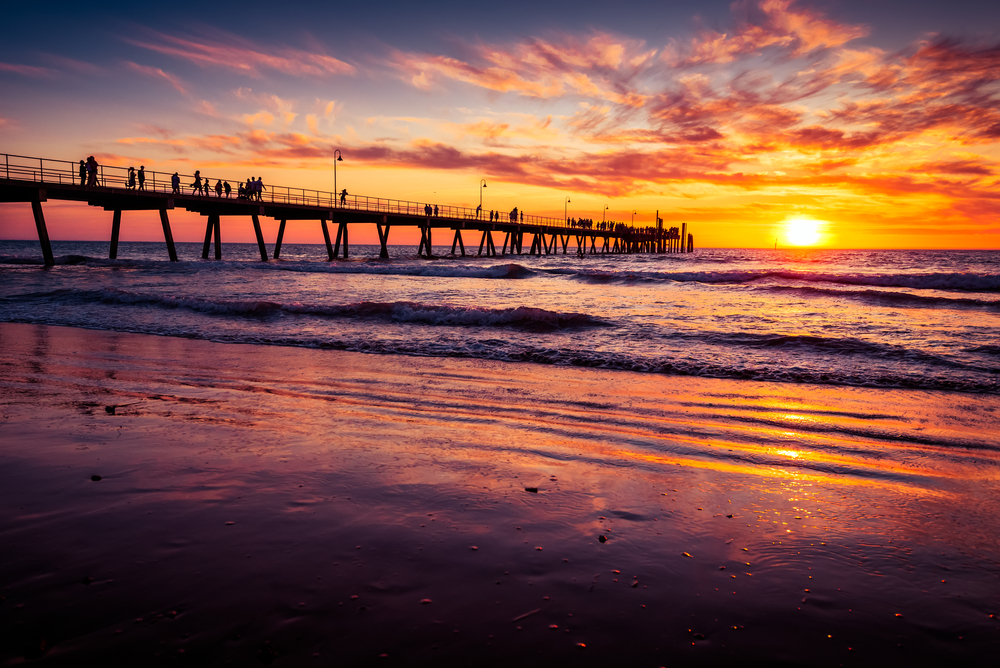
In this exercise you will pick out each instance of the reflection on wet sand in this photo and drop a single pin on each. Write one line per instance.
(258, 504)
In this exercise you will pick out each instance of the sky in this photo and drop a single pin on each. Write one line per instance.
(877, 120)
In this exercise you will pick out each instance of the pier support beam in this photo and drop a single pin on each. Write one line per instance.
(383, 237)
(458, 240)
(116, 226)
(425, 241)
(169, 237)
(209, 226)
(341, 234)
(506, 238)
(43, 233)
(277, 242)
(217, 229)
(326, 238)
(260, 237)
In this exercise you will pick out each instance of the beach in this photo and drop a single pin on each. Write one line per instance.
(173, 500)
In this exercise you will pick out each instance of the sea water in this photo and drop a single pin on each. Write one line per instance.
(895, 319)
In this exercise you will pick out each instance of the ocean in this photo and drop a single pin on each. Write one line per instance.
(894, 319)
(770, 457)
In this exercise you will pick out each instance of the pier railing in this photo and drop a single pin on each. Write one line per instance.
(113, 177)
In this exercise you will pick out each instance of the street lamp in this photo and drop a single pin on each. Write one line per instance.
(605, 213)
(565, 211)
(633, 218)
(482, 183)
(339, 158)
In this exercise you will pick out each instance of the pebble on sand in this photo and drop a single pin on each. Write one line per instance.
(95, 478)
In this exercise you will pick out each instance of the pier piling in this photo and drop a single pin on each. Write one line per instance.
(281, 235)
(43, 233)
(260, 237)
(116, 225)
(169, 237)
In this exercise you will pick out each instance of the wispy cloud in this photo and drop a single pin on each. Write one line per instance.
(157, 73)
(231, 52)
(27, 70)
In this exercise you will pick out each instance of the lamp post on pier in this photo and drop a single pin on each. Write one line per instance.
(482, 184)
(566, 209)
(633, 218)
(339, 158)
(605, 213)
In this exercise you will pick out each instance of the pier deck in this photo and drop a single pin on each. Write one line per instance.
(37, 180)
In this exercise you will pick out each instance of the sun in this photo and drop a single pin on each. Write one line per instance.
(803, 231)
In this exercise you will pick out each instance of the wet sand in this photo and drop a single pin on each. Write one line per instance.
(284, 506)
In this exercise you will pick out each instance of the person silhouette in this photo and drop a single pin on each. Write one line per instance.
(142, 177)
(228, 188)
(479, 211)
(218, 188)
(435, 210)
(83, 173)
(196, 186)
(131, 179)
(175, 183)
(259, 188)
(343, 197)
(91, 172)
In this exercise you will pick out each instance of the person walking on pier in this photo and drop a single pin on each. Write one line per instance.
(218, 188)
(83, 173)
(175, 184)
(435, 210)
(259, 188)
(196, 186)
(142, 177)
(343, 197)
(91, 172)
(130, 184)
(479, 211)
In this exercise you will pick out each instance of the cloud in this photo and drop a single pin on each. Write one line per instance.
(231, 52)
(27, 70)
(793, 31)
(157, 73)
(599, 65)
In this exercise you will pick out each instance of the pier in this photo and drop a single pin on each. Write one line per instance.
(36, 180)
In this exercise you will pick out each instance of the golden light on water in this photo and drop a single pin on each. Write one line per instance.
(803, 231)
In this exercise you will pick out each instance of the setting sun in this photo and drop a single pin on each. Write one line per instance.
(803, 231)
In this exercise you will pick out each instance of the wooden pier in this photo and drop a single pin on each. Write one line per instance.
(37, 180)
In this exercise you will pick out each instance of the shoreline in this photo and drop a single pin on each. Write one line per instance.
(247, 493)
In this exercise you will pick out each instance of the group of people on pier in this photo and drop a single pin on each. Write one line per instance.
(514, 216)
(136, 177)
(88, 172)
(609, 226)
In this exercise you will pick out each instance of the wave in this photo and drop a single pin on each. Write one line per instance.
(521, 317)
(896, 299)
(956, 282)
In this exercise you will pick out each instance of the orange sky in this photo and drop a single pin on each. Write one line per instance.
(781, 112)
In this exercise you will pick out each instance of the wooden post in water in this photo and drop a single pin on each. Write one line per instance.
(383, 238)
(260, 237)
(43, 233)
(168, 235)
(281, 235)
(690, 243)
(326, 238)
(209, 226)
(116, 226)
(346, 249)
(684, 227)
(217, 229)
